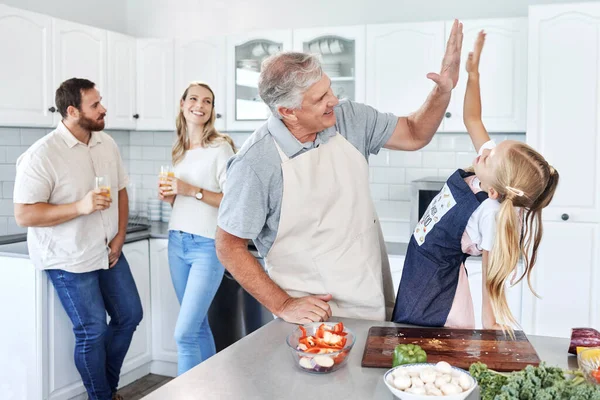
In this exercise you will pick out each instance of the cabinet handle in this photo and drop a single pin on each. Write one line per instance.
(219, 116)
(52, 109)
(136, 116)
(564, 217)
(448, 114)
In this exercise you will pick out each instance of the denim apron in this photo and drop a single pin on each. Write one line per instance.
(434, 255)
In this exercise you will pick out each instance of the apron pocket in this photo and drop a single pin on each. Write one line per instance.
(352, 275)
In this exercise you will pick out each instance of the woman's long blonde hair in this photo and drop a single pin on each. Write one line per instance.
(209, 135)
(523, 179)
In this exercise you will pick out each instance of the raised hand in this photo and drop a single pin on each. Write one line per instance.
(448, 76)
(472, 64)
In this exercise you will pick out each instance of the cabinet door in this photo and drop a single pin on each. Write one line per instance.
(140, 350)
(503, 68)
(245, 53)
(396, 265)
(79, 52)
(204, 61)
(26, 73)
(399, 56)
(342, 51)
(121, 82)
(567, 280)
(563, 104)
(165, 306)
(155, 85)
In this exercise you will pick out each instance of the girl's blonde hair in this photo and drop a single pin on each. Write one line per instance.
(210, 134)
(523, 179)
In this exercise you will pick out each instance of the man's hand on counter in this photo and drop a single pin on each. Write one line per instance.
(303, 310)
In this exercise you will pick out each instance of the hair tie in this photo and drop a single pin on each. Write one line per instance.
(514, 191)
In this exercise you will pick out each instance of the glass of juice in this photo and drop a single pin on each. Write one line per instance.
(102, 182)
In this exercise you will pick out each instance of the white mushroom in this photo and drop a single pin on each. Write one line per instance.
(427, 375)
(399, 372)
(417, 382)
(449, 389)
(442, 380)
(418, 390)
(454, 381)
(465, 382)
(434, 392)
(389, 378)
(402, 382)
(443, 367)
(413, 374)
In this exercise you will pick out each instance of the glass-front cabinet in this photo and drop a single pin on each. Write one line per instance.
(245, 53)
(342, 52)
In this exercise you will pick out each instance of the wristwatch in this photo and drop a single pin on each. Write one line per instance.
(199, 194)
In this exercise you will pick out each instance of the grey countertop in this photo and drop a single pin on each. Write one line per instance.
(16, 245)
(260, 366)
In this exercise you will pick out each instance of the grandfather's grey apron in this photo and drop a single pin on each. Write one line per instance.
(329, 239)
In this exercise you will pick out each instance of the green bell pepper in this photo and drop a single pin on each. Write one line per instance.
(408, 354)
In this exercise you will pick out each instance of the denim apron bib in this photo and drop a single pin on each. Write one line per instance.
(434, 255)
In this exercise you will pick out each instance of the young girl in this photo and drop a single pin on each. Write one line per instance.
(493, 209)
(200, 155)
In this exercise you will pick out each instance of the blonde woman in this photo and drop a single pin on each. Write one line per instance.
(494, 210)
(200, 156)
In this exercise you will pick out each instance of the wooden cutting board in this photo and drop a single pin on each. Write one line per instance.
(459, 347)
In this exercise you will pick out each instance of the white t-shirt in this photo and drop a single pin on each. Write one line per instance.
(203, 167)
(481, 226)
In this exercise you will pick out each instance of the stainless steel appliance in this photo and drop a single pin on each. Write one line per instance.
(423, 191)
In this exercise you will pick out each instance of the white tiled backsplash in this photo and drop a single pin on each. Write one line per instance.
(145, 151)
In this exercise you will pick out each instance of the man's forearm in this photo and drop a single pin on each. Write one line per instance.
(123, 213)
(44, 214)
(249, 273)
(425, 122)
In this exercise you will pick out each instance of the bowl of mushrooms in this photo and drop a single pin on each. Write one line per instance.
(422, 381)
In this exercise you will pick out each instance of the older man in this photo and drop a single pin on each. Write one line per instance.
(299, 188)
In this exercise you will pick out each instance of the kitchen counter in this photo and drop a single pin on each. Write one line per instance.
(16, 245)
(260, 366)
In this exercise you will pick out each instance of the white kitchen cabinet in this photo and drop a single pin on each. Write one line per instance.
(342, 51)
(399, 56)
(155, 85)
(503, 69)
(245, 53)
(121, 97)
(165, 309)
(202, 60)
(140, 350)
(562, 123)
(79, 52)
(26, 73)
(396, 265)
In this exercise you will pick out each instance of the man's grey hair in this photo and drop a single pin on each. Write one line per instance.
(285, 77)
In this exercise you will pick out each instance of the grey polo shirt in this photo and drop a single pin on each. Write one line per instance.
(253, 191)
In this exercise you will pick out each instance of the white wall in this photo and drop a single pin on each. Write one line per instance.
(105, 14)
(197, 18)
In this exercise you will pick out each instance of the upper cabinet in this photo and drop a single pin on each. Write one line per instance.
(155, 101)
(121, 105)
(26, 74)
(503, 71)
(79, 52)
(204, 61)
(398, 58)
(245, 53)
(342, 51)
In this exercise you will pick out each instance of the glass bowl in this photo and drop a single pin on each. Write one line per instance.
(319, 363)
(589, 363)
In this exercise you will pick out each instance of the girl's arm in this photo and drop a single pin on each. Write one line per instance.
(488, 319)
(472, 104)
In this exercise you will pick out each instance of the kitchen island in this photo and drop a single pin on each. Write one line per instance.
(260, 366)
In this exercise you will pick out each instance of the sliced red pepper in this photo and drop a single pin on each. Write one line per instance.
(321, 331)
(339, 327)
(303, 330)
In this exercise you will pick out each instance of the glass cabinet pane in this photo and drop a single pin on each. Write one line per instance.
(248, 59)
(338, 60)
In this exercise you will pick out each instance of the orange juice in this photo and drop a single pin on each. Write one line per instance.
(106, 193)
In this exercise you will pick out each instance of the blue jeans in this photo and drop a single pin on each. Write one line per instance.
(196, 274)
(100, 348)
